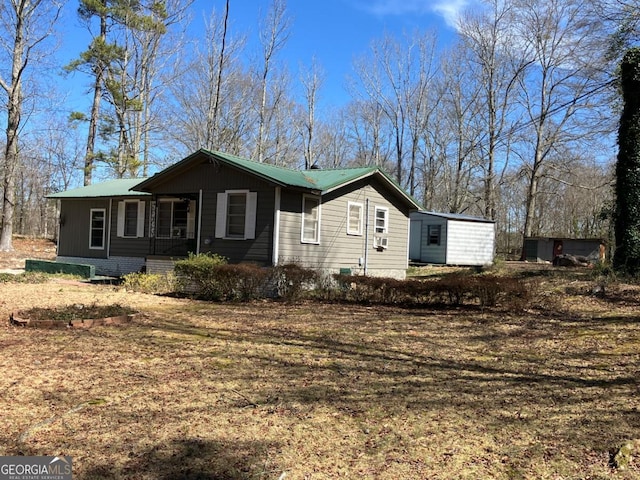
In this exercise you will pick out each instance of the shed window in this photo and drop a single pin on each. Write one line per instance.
(310, 219)
(434, 234)
(97, 228)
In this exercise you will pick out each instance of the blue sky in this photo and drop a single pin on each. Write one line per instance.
(337, 31)
(333, 31)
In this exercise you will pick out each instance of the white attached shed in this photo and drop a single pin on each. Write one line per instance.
(451, 239)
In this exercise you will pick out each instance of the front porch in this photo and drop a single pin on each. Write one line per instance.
(173, 226)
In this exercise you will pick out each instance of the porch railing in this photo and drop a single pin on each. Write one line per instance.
(173, 247)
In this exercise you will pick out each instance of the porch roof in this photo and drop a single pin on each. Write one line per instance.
(111, 188)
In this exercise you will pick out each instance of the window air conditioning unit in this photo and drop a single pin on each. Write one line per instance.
(380, 242)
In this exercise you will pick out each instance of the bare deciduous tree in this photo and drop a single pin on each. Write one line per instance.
(489, 38)
(274, 34)
(311, 82)
(559, 91)
(211, 101)
(25, 25)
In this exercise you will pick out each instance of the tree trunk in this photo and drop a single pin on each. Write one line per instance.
(627, 223)
(95, 109)
(11, 149)
(531, 204)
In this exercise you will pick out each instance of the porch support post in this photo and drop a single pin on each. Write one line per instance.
(108, 229)
(276, 226)
(199, 233)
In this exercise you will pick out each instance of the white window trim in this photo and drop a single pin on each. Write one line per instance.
(139, 219)
(358, 231)
(429, 229)
(318, 200)
(385, 229)
(104, 227)
(380, 239)
(249, 219)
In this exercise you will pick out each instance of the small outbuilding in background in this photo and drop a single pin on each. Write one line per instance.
(451, 239)
(547, 249)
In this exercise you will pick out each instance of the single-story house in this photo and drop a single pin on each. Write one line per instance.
(354, 219)
(546, 249)
(451, 239)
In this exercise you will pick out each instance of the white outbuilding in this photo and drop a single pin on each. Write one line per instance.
(451, 239)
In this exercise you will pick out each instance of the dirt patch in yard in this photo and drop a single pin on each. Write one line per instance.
(27, 247)
(314, 390)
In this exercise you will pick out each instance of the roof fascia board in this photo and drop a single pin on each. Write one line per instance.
(185, 164)
(379, 173)
(244, 169)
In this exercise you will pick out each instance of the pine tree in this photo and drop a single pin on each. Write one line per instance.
(106, 60)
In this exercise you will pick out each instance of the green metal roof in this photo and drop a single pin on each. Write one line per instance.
(321, 181)
(110, 188)
(317, 181)
(273, 173)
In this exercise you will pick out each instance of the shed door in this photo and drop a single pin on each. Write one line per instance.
(415, 240)
(531, 250)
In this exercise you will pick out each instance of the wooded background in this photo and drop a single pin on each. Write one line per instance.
(515, 121)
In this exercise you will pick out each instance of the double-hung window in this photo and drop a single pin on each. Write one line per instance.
(236, 215)
(131, 218)
(97, 228)
(381, 220)
(381, 227)
(354, 218)
(310, 219)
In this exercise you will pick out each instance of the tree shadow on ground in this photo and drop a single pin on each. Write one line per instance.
(192, 459)
(560, 379)
(487, 372)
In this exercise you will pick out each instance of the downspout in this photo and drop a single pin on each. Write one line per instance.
(366, 236)
(276, 226)
(58, 226)
(406, 265)
(199, 223)
(109, 229)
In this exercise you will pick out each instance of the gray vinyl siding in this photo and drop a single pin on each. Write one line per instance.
(74, 234)
(470, 243)
(336, 248)
(75, 224)
(128, 246)
(432, 253)
(215, 178)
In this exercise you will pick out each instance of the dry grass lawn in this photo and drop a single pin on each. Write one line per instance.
(316, 391)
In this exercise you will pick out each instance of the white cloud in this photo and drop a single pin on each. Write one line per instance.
(449, 10)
